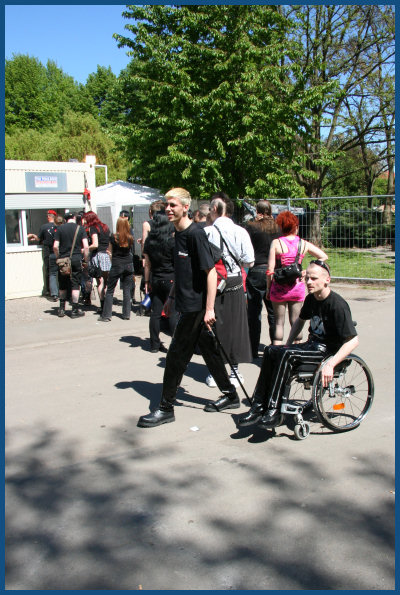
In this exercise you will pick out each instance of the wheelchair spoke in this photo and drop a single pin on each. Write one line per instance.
(352, 396)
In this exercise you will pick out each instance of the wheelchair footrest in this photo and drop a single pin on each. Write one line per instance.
(291, 409)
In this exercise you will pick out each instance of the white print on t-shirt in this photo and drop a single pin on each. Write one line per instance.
(317, 326)
(184, 254)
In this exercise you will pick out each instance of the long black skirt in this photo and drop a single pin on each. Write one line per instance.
(232, 326)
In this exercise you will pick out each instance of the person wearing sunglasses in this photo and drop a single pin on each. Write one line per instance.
(331, 333)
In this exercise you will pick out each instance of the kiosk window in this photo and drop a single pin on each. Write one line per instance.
(13, 227)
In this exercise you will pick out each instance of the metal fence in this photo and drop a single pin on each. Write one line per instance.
(357, 233)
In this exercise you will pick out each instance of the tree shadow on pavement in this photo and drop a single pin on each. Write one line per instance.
(142, 517)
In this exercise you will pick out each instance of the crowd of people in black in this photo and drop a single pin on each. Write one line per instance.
(209, 278)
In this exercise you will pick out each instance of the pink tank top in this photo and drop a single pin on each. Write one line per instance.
(288, 293)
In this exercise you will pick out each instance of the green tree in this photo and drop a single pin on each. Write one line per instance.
(99, 85)
(38, 96)
(78, 135)
(25, 83)
(206, 101)
(338, 45)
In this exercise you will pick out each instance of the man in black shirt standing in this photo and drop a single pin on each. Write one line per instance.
(331, 333)
(63, 241)
(194, 293)
(46, 238)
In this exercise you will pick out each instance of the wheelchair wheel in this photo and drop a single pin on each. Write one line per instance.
(344, 406)
(301, 431)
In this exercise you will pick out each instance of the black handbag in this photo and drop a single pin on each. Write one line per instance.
(287, 275)
(94, 271)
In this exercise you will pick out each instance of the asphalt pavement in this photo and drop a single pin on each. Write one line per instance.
(95, 503)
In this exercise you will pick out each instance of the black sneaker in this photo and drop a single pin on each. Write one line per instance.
(77, 313)
(61, 312)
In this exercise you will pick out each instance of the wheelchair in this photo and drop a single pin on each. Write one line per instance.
(341, 406)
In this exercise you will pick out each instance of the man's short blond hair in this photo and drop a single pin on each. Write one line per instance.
(181, 194)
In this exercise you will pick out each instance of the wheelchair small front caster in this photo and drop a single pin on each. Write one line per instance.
(302, 430)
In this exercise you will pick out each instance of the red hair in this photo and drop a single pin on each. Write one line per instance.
(92, 220)
(287, 222)
(123, 235)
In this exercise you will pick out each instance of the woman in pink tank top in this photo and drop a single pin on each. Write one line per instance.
(283, 252)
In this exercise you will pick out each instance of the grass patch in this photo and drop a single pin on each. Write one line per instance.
(358, 264)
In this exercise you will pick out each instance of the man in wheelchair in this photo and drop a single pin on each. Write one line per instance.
(331, 333)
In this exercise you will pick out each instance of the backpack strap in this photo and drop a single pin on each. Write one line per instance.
(73, 243)
(298, 252)
(227, 247)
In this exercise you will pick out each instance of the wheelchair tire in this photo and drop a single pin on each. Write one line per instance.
(301, 431)
(352, 398)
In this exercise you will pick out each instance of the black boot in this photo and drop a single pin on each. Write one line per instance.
(86, 298)
(270, 419)
(253, 415)
(76, 311)
(61, 309)
(100, 310)
(163, 415)
(156, 418)
(228, 401)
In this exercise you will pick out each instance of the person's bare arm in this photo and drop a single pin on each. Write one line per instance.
(147, 271)
(315, 251)
(85, 245)
(209, 316)
(340, 355)
(271, 265)
(56, 247)
(95, 242)
(295, 330)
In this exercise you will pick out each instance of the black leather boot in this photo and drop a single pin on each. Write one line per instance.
(163, 415)
(270, 419)
(156, 418)
(76, 311)
(61, 309)
(228, 401)
(253, 415)
(100, 310)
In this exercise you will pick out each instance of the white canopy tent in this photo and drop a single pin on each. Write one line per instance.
(112, 198)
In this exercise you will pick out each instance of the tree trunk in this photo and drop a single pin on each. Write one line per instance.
(315, 226)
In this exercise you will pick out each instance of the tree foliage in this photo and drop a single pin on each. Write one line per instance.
(206, 100)
(38, 96)
(257, 100)
(99, 86)
(347, 45)
(73, 138)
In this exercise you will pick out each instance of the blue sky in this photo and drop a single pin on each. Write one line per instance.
(76, 37)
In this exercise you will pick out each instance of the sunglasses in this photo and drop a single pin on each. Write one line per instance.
(321, 263)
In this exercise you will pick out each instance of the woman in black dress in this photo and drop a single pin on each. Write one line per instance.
(262, 231)
(120, 247)
(158, 252)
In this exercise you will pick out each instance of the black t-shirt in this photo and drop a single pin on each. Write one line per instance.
(120, 253)
(192, 257)
(65, 235)
(261, 241)
(162, 261)
(103, 239)
(330, 320)
(46, 234)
